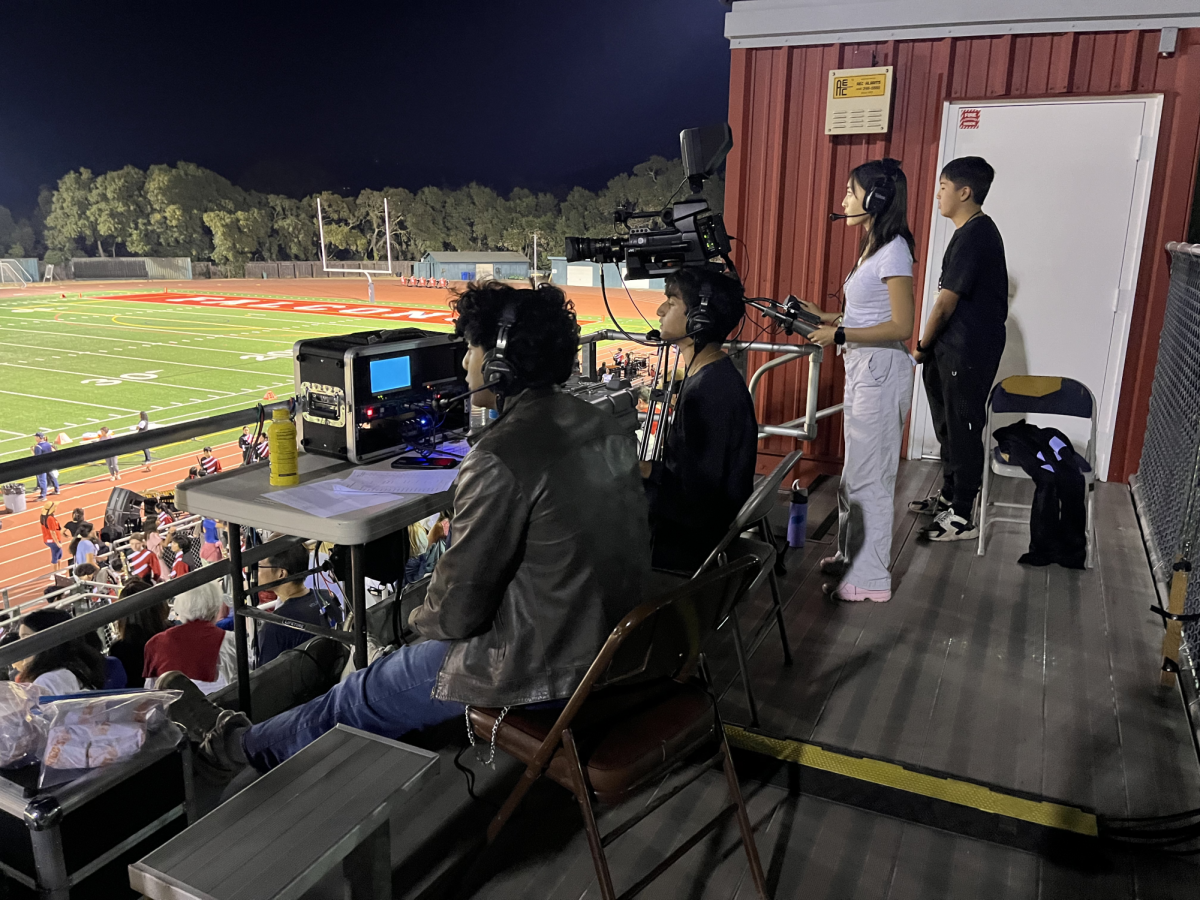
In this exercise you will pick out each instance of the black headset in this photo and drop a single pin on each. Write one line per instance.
(699, 320)
(883, 190)
(499, 374)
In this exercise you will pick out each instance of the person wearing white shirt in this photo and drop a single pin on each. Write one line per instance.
(870, 335)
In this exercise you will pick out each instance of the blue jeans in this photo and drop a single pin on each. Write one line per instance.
(41, 483)
(389, 697)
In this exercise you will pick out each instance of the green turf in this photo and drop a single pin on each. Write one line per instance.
(73, 364)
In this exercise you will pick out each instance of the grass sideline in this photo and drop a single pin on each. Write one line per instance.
(72, 363)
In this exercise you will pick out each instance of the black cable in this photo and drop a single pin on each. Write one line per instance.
(604, 294)
(469, 774)
(1171, 817)
(629, 294)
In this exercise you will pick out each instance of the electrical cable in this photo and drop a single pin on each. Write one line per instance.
(469, 774)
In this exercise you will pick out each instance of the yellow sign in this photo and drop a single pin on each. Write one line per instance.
(846, 86)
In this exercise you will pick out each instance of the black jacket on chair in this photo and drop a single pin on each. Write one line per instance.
(1058, 520)
(551, 549)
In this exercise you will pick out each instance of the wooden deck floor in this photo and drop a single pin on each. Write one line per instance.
(1042, 680)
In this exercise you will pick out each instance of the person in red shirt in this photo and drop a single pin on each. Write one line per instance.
(196, 647)
(52, 534)
(180, 544)
(209, 462)
(143, 565)
(165, 518)
(262, 449)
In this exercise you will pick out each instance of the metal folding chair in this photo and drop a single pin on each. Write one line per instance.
(1035, 394)
(645, 707)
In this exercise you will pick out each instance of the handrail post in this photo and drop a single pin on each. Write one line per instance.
(240, 633)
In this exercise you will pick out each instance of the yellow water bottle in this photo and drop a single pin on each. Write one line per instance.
(281, 438)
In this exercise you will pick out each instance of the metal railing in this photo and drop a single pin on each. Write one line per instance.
(28, 466)
(1166, 488)
(803, 428)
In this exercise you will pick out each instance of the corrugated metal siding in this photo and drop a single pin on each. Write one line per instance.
(784, 176)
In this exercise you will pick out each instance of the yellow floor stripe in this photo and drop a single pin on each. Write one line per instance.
(1039, 812)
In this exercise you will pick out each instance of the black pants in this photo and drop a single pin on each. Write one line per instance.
(957, 382)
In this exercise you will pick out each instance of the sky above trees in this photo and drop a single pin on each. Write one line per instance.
(284, 99)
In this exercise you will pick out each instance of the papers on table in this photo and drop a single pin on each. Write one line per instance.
(362, 489)
(404, 481)
(321, 498)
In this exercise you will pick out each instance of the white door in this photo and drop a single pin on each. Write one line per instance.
(1070, 199)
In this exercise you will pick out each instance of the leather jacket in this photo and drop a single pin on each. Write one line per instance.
(551, 548)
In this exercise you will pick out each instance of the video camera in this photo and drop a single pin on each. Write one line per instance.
(694, 234)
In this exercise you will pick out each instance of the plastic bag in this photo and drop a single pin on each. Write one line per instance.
(89, 731)
(22, 728)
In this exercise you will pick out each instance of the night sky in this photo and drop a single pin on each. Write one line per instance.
(295, 98)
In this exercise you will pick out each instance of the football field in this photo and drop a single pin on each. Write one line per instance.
(71, 362)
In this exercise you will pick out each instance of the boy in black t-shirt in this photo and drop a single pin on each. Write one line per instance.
(961, 346)
(707, 467)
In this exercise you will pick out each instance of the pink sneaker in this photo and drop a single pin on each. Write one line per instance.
(852, 594)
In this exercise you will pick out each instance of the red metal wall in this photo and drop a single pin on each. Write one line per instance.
(785, 175)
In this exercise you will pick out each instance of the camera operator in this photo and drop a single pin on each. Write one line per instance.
(550, 550)
(707, 469)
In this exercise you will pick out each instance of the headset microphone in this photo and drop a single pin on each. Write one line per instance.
(833, 217)
(654, 335)
(444, 403)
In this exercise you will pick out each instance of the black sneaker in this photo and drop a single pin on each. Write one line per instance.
(950, 527)
(932, 505)
(192, 711)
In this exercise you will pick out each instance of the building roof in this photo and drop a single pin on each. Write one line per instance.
(779, 23)
(503, 256)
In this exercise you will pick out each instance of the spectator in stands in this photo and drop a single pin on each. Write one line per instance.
(70, 667)
(77, 522)
(41, 447)
(316, 607)
(209, 463)
(210, 549)
(142, 427)
(83, 548)
(196, 647)
(154, 541)
(246, 445)
(143, 565)
(193, 473)
(134, 631)
(52, 534)
(164, 516)
(180, 545)
(114, 465)
(426, 548)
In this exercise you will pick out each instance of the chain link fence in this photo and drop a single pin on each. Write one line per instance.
(1165, 487)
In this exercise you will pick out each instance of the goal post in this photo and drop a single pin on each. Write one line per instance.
(387, 230)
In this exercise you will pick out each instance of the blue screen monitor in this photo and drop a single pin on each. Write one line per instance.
(390, 374)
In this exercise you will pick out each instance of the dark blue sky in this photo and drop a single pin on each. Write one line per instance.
(294, 97)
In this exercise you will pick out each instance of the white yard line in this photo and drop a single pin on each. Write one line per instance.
(136, 358)
(155, 382)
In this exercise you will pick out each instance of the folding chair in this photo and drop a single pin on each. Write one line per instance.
(656, 709)
(1029, 394)
(736, 545)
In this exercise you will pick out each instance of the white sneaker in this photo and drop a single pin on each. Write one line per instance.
(950, 527)
(932, 505)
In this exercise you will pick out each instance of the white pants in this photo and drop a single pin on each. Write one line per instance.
(879, 386)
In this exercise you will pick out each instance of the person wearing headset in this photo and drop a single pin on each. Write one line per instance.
(707, 467)
(870, 336)
(550, 551)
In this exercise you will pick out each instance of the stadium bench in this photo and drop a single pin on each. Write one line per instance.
(328, 804)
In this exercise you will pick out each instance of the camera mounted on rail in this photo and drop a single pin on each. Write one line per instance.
(693, 234)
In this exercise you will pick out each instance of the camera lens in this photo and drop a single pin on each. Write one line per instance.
(578, 248)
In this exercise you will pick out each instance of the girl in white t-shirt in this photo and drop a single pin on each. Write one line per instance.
(870, 335)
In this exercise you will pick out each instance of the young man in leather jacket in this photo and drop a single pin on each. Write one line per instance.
(551, 549)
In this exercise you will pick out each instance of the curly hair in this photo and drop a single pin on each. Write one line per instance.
(544, 337)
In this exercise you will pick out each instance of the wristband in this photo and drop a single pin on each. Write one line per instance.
(839, 336)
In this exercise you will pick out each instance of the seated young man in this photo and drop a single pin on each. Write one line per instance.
(550, 550)
(297, 601)
(707, 469)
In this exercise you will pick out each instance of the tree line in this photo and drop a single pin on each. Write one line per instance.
(187, 210)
